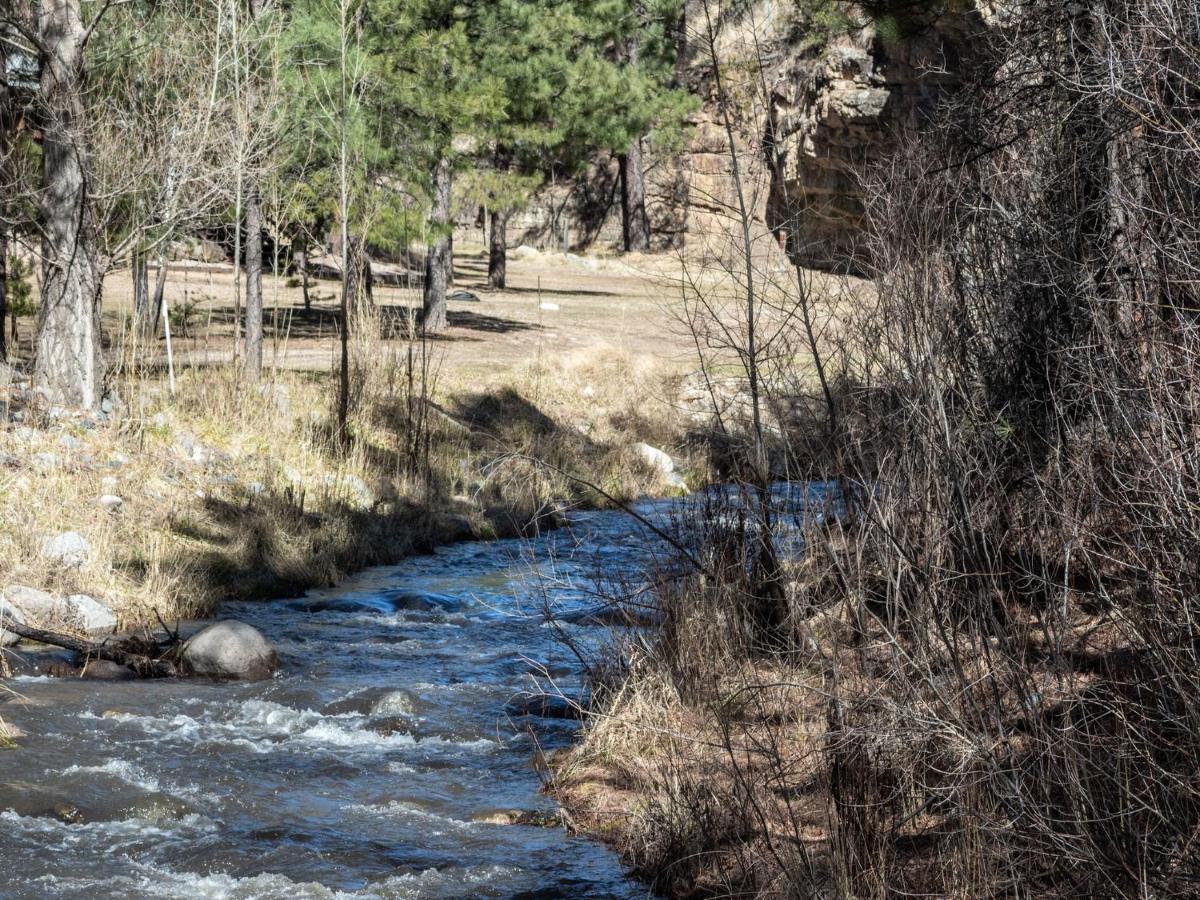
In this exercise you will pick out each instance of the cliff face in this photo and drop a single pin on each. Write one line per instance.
(834, 112)
(809, 114)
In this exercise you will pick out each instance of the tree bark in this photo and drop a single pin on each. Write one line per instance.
(300, 261)
(67, 368)
(3, 284)
(635, 225)
(360, 280)
(498, 250)
(254, 294)
(437, 259)
(160, 285)
(143, 315)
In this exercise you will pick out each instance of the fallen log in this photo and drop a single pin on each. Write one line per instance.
(142, 665)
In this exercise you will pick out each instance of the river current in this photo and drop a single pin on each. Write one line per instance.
(377, 763)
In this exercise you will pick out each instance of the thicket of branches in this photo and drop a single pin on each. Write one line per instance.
(983, 678)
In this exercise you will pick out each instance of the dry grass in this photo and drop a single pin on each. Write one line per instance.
(232, 492)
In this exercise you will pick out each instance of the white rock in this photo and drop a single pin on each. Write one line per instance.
(112, 502)
(69, 549)
(549, 307)
(230, 649)
(655, 458)
(84, 613)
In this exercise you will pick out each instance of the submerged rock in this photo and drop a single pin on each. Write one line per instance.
(230, 650)
(546, 706)
(105, 670)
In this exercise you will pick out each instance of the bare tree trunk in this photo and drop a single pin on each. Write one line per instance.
(67, 368)
(300, 261)
(360, 280)
(498, 250)
(635, 225)
(143, 315)
(437, 260)
(252, 370)
(160, 285)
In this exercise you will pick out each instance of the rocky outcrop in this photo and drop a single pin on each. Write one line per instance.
(834, 104)
(836, 110)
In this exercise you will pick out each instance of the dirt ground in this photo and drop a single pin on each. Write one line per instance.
(554, 305)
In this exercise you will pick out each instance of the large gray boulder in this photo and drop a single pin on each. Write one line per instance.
(69, 549)
(229, 650)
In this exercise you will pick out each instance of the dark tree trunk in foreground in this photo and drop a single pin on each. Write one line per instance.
(437, 259)
(498, 250)
(635, 225)
(254, 291)
(67, 367)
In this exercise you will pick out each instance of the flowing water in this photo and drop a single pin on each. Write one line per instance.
(374, 765)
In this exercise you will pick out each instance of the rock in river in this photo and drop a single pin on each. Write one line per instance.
(232, 650)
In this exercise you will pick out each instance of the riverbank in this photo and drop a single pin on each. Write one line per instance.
(218, 491)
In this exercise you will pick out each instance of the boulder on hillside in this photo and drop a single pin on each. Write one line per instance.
(229, 650)
(36, 607)
(69, 549)
(78, 612)
(86, 614)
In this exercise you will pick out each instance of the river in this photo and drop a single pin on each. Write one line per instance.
(375, 764)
